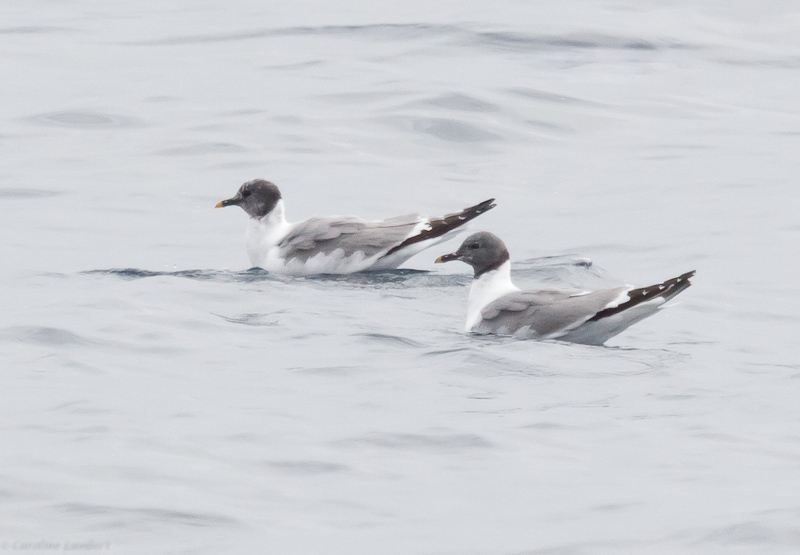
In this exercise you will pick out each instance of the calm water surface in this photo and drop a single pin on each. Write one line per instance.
(159, 397)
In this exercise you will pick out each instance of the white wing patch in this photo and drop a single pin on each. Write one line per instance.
(622, 298)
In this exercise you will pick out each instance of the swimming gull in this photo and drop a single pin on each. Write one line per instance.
(336, 244)
(497, 306)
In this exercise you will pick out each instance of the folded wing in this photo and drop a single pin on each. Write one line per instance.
(391, 240)
(350, 234)
(590, 318)
(543, 314)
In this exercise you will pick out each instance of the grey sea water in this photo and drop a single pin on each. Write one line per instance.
(160, 397)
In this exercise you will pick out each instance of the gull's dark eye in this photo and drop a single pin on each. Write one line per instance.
(246, 193)
(474, 246)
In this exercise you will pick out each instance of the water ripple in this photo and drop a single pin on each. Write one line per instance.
(121, 514)
(16, 193)
(549, 268)
(389, 340)
(83, 120)
(505, 40)
(202, 149)
(422, 442)
(252, 319)
(405, 277)
(525, 42)
(43, 335)
(386, 31)
(451, 130)
(247, 276)
(751, 534)
(461, 102)
(34, 30)
(547, 96)
(307, 468)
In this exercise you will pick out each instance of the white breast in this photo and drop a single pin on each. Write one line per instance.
(485, 289)
(262, 238)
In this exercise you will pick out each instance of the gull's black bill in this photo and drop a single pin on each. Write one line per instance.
(448, 258)
(227, 202)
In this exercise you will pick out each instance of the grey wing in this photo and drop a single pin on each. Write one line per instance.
(325, 235)
(543, 314)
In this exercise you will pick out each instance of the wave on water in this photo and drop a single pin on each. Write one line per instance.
(253, 319)
(550, 268)
(527, 42)
(35, 30)
(44, 335)
(560, 270)
(391, 31)
(83, 120)
(17, 193)
(254, 274)
(567, 260)
(258, 274)
(503, 40)
(387, 340)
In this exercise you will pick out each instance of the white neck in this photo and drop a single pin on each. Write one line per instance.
(275, 217)
(487, 288)
(264, 234)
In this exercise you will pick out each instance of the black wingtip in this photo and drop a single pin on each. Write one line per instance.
(449, 222)
(472, 211)
(482, 207)
(668, 289)
(682, 281)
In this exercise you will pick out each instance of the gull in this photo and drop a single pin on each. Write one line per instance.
(336, 244)
(497, 306)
